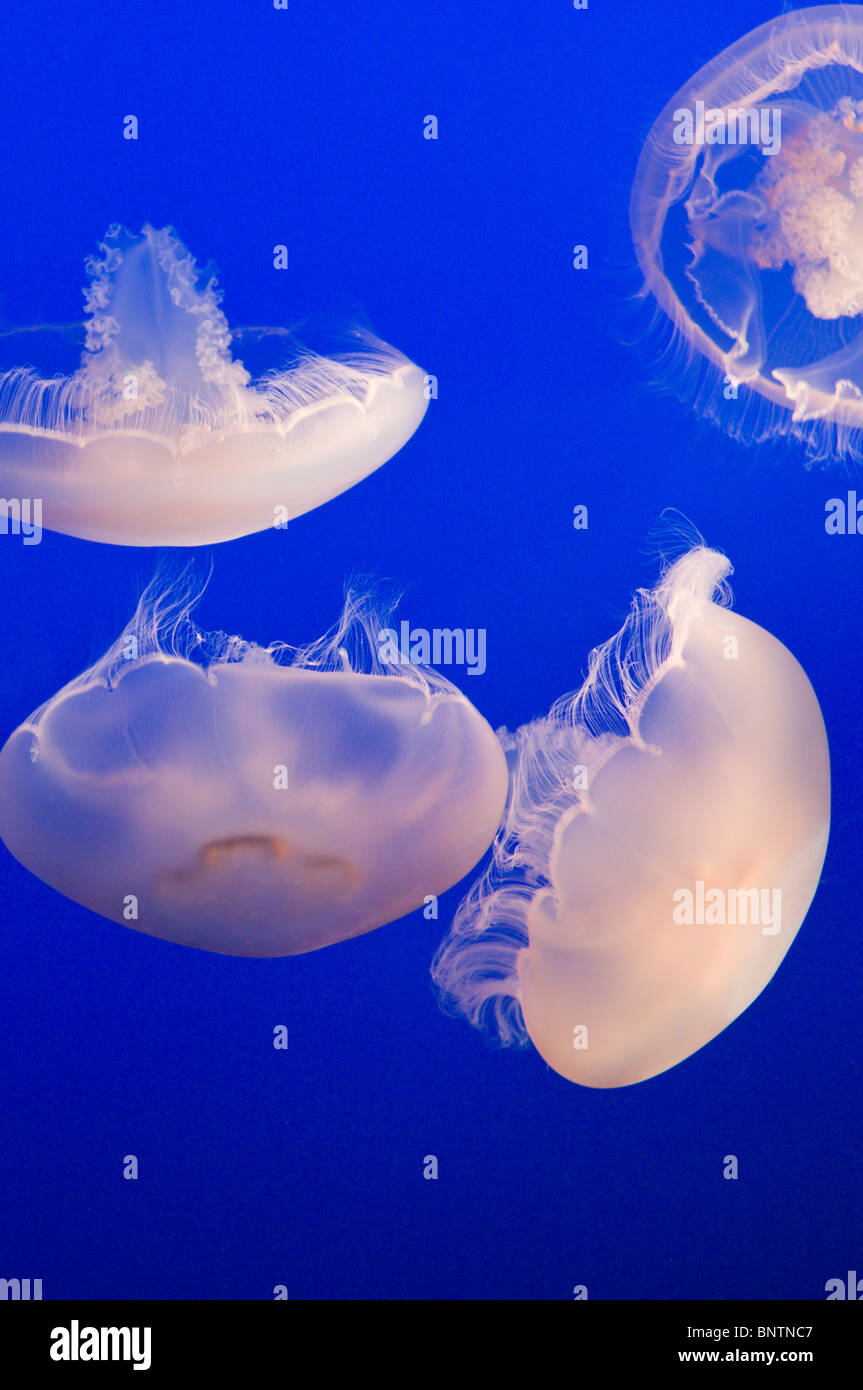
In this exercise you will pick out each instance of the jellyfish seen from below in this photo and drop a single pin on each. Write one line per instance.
(161, 437)
(264, 803)
(664, 837)
(747, 219)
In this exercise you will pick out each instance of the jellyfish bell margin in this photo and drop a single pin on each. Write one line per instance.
(162, 438)
(746, 225)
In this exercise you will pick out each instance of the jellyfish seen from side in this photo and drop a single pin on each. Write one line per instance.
(161, 437)
(663, 840)
(256, 802)
(747, 218)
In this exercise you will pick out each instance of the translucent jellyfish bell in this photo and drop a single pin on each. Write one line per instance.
(265, 803)
(160, 437)
(665, 835)
(747, 218)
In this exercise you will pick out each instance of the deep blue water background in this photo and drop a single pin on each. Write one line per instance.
(260, 1167)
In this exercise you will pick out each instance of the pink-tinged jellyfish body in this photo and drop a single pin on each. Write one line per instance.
(664, 837)
(161, 437)
(747, 219)
(266, 803)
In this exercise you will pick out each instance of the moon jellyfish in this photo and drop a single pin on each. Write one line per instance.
(663, 840)
(254, 801)
(161, 437)
(747, 219)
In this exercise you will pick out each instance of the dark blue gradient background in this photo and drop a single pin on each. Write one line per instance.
(304, 1168)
